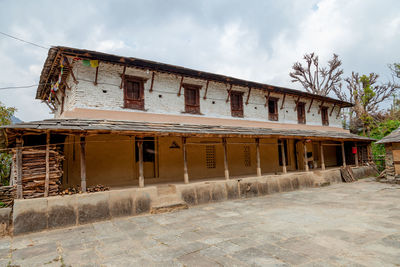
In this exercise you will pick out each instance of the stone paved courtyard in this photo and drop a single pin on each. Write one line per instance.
(341, 225)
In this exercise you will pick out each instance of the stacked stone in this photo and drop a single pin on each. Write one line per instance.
(7, 195)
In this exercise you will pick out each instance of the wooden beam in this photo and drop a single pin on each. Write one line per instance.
(70, 70)
(322, 156)
(297, 102)
(267, 98)
(141, 173)
(248, 96)
(180, 87)
(283, 100)
(205, 92)
(356, 154)
(83, 163)
(95, 78)
(122, 77)
(185, 168)
(343, 154)
(152, 82)
(334, 105)
(226, 168)
(338, 114)
(229, 93)
(258, 157)
(18, 162)
(305, 157)
(58, 56)
(309, 107)
(47, 178)
(284, 170)
(47, 103)
(320, 106)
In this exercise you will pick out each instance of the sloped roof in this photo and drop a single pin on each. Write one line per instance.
(55, 53)
(168, 129)
(393, 137)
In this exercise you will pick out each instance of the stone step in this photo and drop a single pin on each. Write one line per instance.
(166, 190)
(168, 207)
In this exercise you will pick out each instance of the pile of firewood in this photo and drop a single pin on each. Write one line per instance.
(78, 190)
(7, 195)
(34, 171)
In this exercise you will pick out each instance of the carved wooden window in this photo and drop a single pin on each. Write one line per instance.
(237, 104)
(324, 116)
(301, 113)
(133, 93)
(210, 157)
(192, 99)
(273, 109)
(246, 154)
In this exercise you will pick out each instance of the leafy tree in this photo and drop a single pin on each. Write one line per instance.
(315, 79)
(6, 114)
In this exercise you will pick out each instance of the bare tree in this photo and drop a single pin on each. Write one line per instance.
(315, 79)
(366, 95)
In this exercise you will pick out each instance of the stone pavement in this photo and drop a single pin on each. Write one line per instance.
(354, 224)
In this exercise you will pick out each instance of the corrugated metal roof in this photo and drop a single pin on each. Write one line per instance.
(107, 126)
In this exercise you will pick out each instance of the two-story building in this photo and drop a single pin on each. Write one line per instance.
(123, 121)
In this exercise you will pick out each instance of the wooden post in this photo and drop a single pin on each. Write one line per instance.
(258, 157)
(19, 167)
(83, 163)
(369, 152)
(185, 169)
(47, 179)
(322, 156)
(141, 175)
(343, 155)
(225, 159)
(305, 157)
(356, 155)
(283, 156)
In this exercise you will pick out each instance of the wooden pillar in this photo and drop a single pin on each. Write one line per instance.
(141, 175)
(356, 155)
(225, 159)
(185, 168)
(322, 156)
(47, 179)
(258, 157)
(305, 157)
(283, 156)
(19, 167)
(343, 155)
(83, 163)
(369, 152)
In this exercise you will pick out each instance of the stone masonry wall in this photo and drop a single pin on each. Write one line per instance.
(108, 96)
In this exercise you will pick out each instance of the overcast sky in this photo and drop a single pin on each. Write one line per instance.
(255, 40)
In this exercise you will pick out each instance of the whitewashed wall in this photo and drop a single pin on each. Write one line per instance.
(108, 96)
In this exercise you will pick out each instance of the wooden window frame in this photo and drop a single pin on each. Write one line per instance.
(273, 116)
(237, 112)
(190, 108)
(325, 116)
(301, 106)
(134, 103)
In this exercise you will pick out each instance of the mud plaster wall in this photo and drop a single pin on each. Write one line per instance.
(108, 96)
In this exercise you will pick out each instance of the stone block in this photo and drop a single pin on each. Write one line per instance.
(203, 193)
(143, 199)
(263, 188)
(232, 189)
(5, 214)
(189, 195)
(295, 183)
(273, 186)
(285, 184)
(249, 189)
(122, 202)
(218, 192)
(29, 215)
(62, 211)
(93, 207)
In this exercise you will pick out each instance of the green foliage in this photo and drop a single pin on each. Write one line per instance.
(6, 114)
(381, 130)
